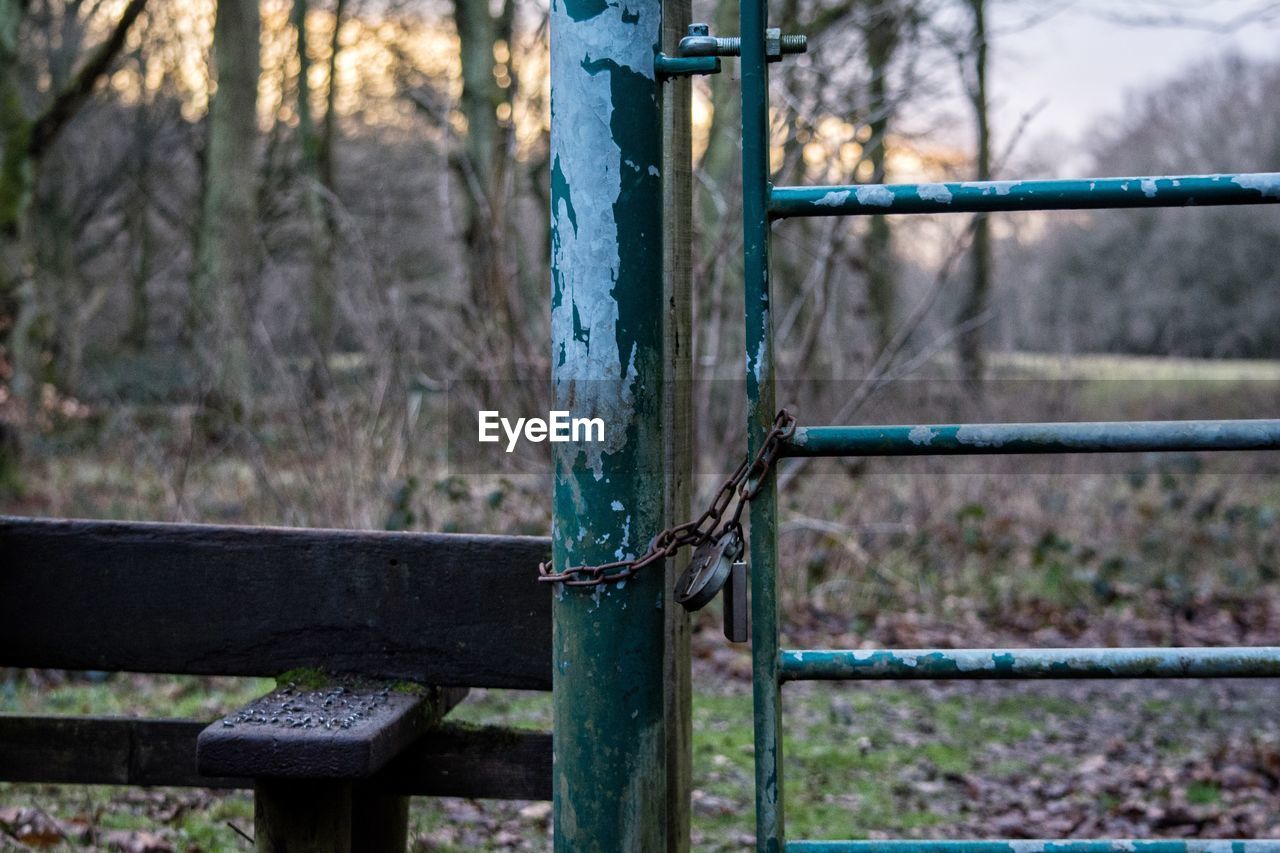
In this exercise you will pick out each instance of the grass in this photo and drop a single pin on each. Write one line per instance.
(844, 749)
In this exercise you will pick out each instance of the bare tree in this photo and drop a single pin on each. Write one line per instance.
(25, 141)
(977, 300)
(882, 31)
(1197, 283)
(226, 240)
(317, 174)
(488, 81)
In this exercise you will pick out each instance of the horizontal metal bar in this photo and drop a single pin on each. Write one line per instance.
(996, 196)
(1116, 846)
(974, 664)
(995, 439)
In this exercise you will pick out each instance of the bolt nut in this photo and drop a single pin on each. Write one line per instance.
(776, 44)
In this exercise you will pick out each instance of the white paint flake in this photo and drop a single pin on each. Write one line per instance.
(1209, 847)
(977, 436)
(835, 198)
(1148, 187)
(1267, 184)
(966, 663)
(935, 192)
(875, 196)
(922, 435)
(1027, 846)
(592, 376)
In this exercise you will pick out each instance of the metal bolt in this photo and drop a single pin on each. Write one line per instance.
(700, 42)
(795, 44)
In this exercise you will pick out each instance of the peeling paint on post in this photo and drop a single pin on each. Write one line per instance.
(606, 320)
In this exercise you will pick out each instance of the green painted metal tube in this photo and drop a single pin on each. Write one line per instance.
(1116, 846)
(997, 196)
(685, 66)
(980, 664)
(606, 321)
(995, 439)
(763, 551)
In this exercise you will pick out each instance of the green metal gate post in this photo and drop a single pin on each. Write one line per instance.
(607, 361)
(766, 686)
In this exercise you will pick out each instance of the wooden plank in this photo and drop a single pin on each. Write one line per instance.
(178, 598)
(452, 761)
(103, 751)
(476, 762)
(338, 731)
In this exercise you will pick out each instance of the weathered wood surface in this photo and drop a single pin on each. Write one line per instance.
(179, 598)
(103, 751)
(340, 731)
(296, 816)
(379, 821)
(457, 761)
(474, 761)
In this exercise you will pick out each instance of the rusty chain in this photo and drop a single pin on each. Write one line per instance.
(744, 483)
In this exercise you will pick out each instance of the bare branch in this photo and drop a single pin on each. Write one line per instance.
(67, 102)
(1262, 13)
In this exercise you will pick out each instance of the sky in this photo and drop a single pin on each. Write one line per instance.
(1078, 65)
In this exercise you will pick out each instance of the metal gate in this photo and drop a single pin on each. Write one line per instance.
(773, 666)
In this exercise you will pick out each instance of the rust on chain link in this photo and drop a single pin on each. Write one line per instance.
(743, 484)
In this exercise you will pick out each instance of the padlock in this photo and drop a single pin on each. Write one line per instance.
(708, 570)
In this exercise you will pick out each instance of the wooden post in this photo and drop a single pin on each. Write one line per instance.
(677, 227)
(292, 816)
(379, 821)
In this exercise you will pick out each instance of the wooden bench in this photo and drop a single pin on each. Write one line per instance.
(401, 624)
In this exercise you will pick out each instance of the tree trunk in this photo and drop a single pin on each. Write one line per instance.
(226, 240)
(483, 166)
(23, 143)
(719, 166)
(324, 150)
(881, 40)
(138, 329)
(323, 294)
(15, 200)
(978, 300)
